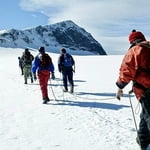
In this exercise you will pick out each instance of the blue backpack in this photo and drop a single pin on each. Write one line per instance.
(68, 60)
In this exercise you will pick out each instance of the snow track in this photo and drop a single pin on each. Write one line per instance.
(94, 122)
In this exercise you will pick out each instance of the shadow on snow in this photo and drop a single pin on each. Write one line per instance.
(89, 104)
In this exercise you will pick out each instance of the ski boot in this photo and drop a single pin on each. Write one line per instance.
(31, 80)
(71, 89)
(65, 89)
(45, 100)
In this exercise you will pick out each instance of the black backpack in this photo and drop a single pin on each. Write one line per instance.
(45, 60)
(27, 59)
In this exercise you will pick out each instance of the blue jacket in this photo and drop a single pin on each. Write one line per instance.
(37, 67)
(61, 63)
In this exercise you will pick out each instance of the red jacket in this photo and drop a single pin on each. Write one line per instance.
(136, 67)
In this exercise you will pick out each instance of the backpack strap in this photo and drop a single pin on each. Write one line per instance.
(138, 85)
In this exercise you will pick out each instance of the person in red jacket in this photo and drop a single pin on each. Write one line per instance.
(136, 67)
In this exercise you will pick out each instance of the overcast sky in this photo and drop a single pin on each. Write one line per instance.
(110, 22)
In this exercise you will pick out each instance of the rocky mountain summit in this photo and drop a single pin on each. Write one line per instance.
(55, 36)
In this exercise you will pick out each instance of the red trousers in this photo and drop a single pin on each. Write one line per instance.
(44, 76)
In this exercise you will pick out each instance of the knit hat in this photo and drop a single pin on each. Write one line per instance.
(42, 49)
(136, 35)
(26, 50)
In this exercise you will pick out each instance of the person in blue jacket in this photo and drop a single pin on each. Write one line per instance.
(65, 66)
(43, 65)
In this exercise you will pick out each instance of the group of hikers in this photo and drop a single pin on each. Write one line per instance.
(42, 67)
(135, 67)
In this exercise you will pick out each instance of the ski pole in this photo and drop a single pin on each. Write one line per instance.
(139, 142)
(133, 113)
(62, 84)
(52, 91)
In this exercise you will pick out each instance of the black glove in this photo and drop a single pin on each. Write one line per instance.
(53, 76)
(119, 93)
(34, 76)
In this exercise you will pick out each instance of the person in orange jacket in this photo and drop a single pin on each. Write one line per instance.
(136, 67)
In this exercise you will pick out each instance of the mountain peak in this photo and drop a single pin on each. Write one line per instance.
(63, 34)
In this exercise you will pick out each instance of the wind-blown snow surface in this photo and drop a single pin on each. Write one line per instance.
(90, 119)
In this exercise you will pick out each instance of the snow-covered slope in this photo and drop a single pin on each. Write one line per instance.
(90, 119)
(64, 34)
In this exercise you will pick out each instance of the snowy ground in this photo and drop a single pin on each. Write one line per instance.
(90, 119)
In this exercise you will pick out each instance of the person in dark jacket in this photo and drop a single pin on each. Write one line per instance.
(65, 66)
(27, 59)
(136, 67)
(43, 72)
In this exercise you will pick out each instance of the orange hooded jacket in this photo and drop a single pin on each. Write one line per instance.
(136, 67)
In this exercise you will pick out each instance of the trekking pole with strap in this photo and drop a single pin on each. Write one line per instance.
(62, 84)
(133, 111)
(134, 118)
(52, 90)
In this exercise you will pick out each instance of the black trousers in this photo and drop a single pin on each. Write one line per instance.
(67, 76)
(144, 125)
